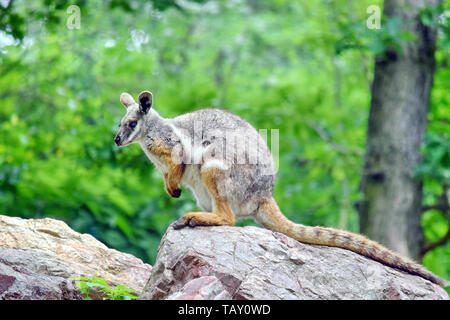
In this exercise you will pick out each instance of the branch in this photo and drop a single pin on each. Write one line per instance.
(430, 246)
(438, 206)
(442, 205)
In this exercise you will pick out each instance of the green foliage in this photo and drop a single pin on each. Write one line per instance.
(438, 17)
(302, 67)
(436, 163)
(85, 285)
(120, 292)
(434, 170)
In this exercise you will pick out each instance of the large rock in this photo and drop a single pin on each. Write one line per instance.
(38, 257)
(254, 263)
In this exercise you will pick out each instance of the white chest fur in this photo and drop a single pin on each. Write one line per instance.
(192, 180)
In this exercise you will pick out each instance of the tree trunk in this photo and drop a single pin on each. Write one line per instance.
(391, 209)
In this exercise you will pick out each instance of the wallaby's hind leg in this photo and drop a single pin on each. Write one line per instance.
(221, 215)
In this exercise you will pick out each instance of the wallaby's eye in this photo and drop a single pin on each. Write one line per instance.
(133, 124)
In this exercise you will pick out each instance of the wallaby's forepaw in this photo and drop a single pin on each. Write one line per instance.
(172, 189)
(174, 193)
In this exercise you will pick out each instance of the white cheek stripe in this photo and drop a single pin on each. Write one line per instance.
(135, 131)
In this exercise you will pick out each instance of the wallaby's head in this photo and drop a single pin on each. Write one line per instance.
(131, 125)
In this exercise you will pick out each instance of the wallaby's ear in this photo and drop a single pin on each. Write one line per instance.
(126, 99)
(145, 101)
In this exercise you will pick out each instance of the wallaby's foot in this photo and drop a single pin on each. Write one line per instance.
(183, 222)
(193, 219)
(222, 215)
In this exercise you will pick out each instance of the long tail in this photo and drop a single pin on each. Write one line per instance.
(270, 216)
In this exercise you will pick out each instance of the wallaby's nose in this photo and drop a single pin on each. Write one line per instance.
(117, 140)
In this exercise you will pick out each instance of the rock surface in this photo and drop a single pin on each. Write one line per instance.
(254, 263)
(38, 257)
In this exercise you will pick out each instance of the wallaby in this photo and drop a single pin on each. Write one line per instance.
(228, 167)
